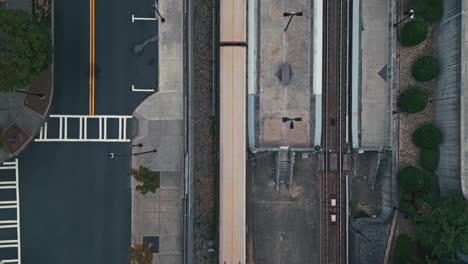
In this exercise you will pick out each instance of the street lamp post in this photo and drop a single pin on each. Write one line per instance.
(290, 15)
(409, 14)
(156, 12)
(113, 155)
(291, 125)
(39, 95)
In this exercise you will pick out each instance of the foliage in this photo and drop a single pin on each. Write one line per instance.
(140, 254)
(148, 180)
(42, 9)
(429, 159)
(407, 201)
(25, 48)
(403, 249)
(412, 100)
(430, 10)
(413, 33)
(2, 137)
(427, 136)
(414, 181)
(425, 68)
(442, 226)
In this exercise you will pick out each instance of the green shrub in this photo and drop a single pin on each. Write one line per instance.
(425, 68)
(414, 180)
(430, 10)
(148, 181)
(429, 159)
(427, 136)
(412, 100)
(413, 33)
(403, 249)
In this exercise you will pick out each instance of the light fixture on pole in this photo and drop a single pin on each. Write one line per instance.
(292, 120)
(113, 155)
(409, 14)
(41, 96)
(290, 15)
(156, 12)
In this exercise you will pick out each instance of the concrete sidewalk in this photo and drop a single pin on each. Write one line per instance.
(159, 124)
(374, 91)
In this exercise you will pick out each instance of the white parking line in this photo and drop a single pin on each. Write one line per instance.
(142, 18)
(142, 90)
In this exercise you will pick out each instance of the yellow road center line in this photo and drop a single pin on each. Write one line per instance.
(91, 56)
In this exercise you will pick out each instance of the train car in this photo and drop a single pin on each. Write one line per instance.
(232, 137)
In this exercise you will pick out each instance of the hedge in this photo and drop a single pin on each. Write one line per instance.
(414, 180)
(403, 249)
(427, 136)
(425, 68)
(413, 33)
(430, 10)
(412, 100)
(429, 159)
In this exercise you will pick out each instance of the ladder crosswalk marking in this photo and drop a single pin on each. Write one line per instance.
(83, 126)
(8, 205)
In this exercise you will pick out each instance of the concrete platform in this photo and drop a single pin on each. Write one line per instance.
(279, 98)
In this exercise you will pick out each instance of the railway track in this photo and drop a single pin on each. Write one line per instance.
(333, 210)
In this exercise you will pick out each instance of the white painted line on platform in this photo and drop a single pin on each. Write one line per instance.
(142, 90)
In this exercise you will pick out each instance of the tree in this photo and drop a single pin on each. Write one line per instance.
(25, 48)
(425, 68)
(427, 136)
(412, 100)
(442, 225)
(403, 249)
(414, 181)
(413, 33)
(140, 254)
(430, 10)
(148, 180)
(429, 159)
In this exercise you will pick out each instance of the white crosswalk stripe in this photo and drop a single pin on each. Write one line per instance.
(84, 126)
(5, 186)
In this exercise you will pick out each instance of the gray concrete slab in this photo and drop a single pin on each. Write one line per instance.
(285, 224)
(374, 91)
(278, 99)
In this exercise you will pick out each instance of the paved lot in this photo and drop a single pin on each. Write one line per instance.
(285, 223)
(285, 99)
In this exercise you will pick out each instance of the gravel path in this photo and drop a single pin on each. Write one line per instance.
(204, 173)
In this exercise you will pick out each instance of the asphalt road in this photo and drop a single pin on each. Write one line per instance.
(75, 201)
